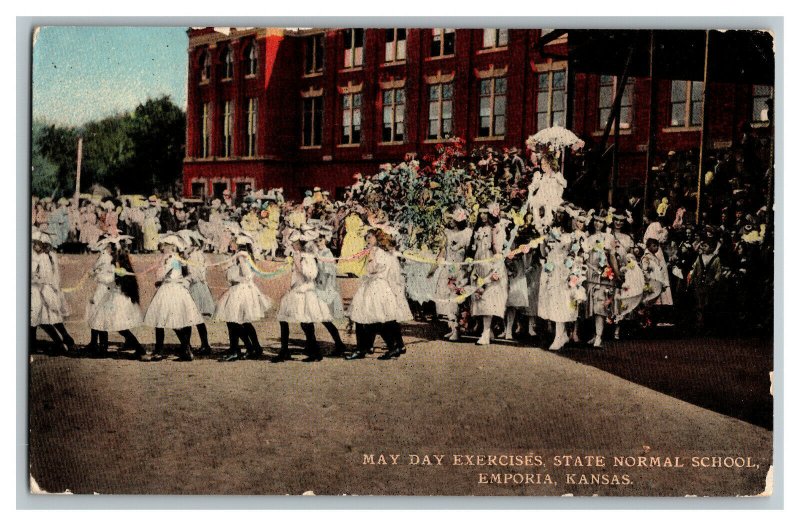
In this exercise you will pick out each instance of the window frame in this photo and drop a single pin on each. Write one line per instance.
(316, 116)
(395, 45)
(755, 97)
(497, 33)
(439, 117)
(205, 66)
(205, 131)
(549, 111)
(251, 144)
(394, 121)
(493, 97)
(227, 63)
(442, 34)
(251, 58)
(315, 46)
(628, 92)
(356, 60)
(227, 129)
(688, 104)
(351, 109)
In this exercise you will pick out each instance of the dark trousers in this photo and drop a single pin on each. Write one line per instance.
(392, 335)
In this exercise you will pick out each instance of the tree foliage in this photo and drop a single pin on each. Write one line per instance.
(136, 152)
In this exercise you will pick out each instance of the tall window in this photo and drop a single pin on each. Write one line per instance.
(608, 89)
(492, 108)
(687, 103)
(205, 126)
(395, 45)
(205, 66)
(761, 94)
(227, 63)
(444, 42)
(227, 129)
(314, 54)
(252, 127)
(353, 48)
(440, 110)
(251, 56)
(351, 118)
(495, 38)
(550, 99)
(312, 121)
(394, 109)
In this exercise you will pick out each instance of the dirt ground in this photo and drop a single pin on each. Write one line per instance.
(118, 426)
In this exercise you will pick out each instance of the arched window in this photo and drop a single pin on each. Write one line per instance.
(251, 58)
(205, 65)
(227, 62)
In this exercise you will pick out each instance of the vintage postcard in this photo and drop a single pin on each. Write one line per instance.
(401, 261)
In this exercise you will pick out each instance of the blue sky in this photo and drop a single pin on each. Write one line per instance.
(85, 73)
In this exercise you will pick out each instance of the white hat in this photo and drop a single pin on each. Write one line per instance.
(108, 205)
(309, 235)
(110, 240)
(295, 236)
(216, 203)
(63, 201)
(178, 204)
(189, 236)
(41, 237)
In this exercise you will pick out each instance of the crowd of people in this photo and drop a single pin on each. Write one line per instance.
(484, 242)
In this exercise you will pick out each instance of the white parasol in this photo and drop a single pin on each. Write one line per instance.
(556, 138)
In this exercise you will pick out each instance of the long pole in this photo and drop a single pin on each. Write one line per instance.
(77, 196)
(651, 140)
(702, 134)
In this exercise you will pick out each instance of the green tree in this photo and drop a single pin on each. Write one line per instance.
(157, 130)
(44, 172)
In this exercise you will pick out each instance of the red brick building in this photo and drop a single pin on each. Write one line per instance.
(311, 107)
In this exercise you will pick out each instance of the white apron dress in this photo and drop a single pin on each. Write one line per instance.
(198, 286)
(172, 306)
(454, 252)
(376, 301)
(492, 301)
(48, 305)
(112, 311)
(555, 298)
(327, 285)
(599, 290)
(242, 302)
(302, 304)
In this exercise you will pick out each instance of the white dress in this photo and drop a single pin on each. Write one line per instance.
(112, 311)
(302, 304)
(198, 286)
(454, 252)
(376, 301)
(517, 283)
(555, 298)
(488, 242)
(630, 295)
(172, 307)
(47, 300)
(599, 290)
(242, 302)
(545, 191)
(327, 285)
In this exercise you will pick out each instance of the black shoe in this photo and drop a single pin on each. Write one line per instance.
(255, 355)
(358, 355)
(317, 357)
(204, 350)
(340, 350)
(391, 353)
(283, 356)
(401, 350)
(186, 356)
(231, 357)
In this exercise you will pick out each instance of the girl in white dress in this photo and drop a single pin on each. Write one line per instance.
(390, 330)
(601, 263)
(376, 301)
(490, 277)
(623, 245)
(117, 309)
(451, 275)
(328, 287)
(556, 299)
(545, 191)
(242, 304)
(198, 285)
(48, 305)
(301, 304)
(172, 306)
